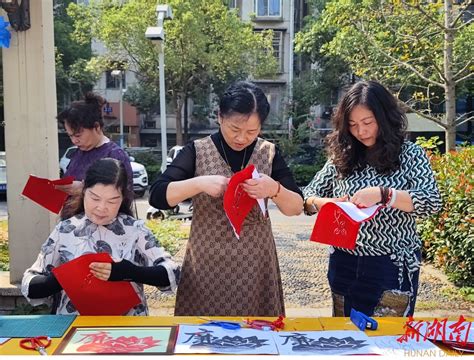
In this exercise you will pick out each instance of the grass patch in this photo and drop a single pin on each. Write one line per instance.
(4, 256)
(168, 233)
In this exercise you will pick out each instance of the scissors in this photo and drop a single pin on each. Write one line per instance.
(39, 343)
(266, 325)
(228, 325)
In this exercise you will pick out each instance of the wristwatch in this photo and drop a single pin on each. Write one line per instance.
(312, 207)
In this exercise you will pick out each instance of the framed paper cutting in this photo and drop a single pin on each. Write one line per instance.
(114, 340)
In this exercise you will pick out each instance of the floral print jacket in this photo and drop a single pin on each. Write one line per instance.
(125, 238)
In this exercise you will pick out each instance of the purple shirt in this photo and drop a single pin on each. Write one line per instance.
(81, 160)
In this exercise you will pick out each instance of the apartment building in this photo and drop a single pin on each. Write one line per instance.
(284, 17)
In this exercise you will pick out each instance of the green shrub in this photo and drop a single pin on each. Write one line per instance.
(168, 233)
(304, 173)
(449, 235)
(152, 163)
(4, 256)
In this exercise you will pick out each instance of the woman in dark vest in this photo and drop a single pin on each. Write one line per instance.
(223, 275)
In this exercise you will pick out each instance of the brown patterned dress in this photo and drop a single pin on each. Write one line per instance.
(223, 275)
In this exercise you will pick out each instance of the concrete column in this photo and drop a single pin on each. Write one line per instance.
(31, 136)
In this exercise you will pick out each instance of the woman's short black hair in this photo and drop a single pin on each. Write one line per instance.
(245, 98)
(106, 171)
(347, 153)
(85, 113)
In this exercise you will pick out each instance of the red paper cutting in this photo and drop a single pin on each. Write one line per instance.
(336, 227)
(43, 192)
(92, 296)
(237, 203)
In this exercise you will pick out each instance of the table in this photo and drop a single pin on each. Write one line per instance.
(386, 326)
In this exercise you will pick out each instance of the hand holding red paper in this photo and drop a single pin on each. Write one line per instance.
(338, 223)
(261, 187)
(43, 192)
(213, 185)
(90, 295)
(74, 188)
(366, 197)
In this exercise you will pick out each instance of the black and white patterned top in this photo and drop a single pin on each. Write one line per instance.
(392, 231)
(125, 238)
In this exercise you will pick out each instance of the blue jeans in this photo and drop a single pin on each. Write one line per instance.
(370, 284)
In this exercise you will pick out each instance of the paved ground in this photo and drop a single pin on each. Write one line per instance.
(303, 266)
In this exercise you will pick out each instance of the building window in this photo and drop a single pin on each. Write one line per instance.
(112, 82)
(233, 4)
(150, 124)
(277, 44)
(265, 8)
(274, 99)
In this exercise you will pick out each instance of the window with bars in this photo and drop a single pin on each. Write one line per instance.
(277, 44)
(266, 8)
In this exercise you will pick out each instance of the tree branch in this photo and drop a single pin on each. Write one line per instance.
(469, 63)
(464, 78)
(461, 12)
(460, 120)
(428, 16)
(398, 61)
(408, 108)
(463, 25)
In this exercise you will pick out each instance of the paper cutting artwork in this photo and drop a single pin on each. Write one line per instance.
(90, 295)
(214, 339)
(237, 203)
(324, 343)
(338, 223)
(148, 340)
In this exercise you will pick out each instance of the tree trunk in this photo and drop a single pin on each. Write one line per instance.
(179, 127)
(185, 138)
(450, 85)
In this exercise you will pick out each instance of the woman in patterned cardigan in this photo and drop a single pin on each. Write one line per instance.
(370, 162)
(224, 275)
(102, 222)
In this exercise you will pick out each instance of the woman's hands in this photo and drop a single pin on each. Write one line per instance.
(72, 189)
(213, 185)
(101, 270)
(366, 197)
(261, 188)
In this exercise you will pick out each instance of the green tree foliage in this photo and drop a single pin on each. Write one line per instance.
(205, 43)
(72, 75)
(319, 84)
(449, 235)
(423, 50)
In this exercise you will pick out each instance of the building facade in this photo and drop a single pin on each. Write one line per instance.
(284, 17)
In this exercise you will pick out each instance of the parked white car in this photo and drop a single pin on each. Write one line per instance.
(174, 151)
(140, 176)
(3, 173)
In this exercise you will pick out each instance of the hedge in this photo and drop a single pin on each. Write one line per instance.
(448, 237)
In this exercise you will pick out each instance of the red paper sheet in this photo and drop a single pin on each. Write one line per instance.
(237, 203)
(335, 225)
(42, 192)
(90, 295)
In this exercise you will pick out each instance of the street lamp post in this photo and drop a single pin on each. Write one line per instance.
(119, 75)
(157, 35)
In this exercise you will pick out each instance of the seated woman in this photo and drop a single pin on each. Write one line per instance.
(102, 222)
